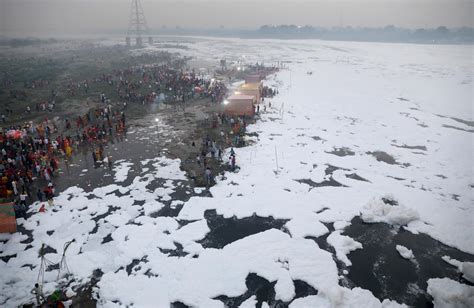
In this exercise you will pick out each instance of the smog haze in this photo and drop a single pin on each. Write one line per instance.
(97, 17)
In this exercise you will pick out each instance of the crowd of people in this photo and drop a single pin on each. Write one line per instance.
(135, 84)
(32, 152)
(144, 84)
(99, 124)
(213, 149)
(27, 153)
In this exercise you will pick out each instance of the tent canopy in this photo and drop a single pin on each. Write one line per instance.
(240, 97)
(251, 86)
(7, 218)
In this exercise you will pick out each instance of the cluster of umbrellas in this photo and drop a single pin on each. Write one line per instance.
(14, 134)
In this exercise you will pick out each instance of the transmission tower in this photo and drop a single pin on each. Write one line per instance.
(137, 26)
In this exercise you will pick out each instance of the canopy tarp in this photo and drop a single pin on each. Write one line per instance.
(14, 133)
(7, 218)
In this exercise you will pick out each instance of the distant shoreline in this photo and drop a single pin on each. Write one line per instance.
(388, 34)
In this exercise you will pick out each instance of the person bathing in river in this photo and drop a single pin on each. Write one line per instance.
(23, 197)
(208, 176)
(94, 157)
(232, 162)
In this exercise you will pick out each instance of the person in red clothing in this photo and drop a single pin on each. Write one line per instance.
(49, 193)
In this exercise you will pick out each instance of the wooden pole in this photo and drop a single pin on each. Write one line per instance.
(276, 158)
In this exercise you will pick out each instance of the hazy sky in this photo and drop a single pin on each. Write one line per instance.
(86, 17)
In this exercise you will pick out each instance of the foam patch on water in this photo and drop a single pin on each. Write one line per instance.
(343, 245)
(121, 170)
(404, 252)
(450, 293)
(378, 211)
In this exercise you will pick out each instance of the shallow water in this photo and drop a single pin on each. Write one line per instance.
(379, 268)
(264, 291)
(227, 230)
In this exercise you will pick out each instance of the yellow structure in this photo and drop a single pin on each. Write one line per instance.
(240, 105)
(253, 78)
(254, 89)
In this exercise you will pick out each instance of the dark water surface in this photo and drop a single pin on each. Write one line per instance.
(379, 268)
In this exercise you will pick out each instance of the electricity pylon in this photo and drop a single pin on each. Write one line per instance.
(137, 26)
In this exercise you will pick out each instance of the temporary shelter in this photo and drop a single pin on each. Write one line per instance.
(240, 105)
(253, 78)
(7, 218)
(254, 89)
